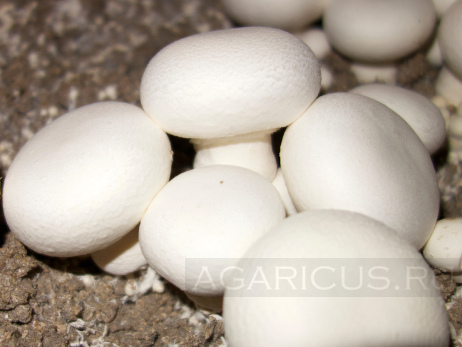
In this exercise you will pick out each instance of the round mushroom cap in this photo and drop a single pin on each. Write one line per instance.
(378, 31)
(418, 111)
(444, 248)
(450, 39)
(287, 15)
(334, 278)
(86, 179)
(122, 257)
(230, 82)
(350, 152)
(203, 220)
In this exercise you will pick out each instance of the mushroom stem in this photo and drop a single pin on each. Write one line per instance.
(252, 151)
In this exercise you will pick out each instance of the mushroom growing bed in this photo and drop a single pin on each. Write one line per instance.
(56, 56)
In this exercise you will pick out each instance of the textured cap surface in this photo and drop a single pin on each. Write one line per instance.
(230, 82)
(85, 180)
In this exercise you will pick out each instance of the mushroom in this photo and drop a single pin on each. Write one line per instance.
(86, 179)
(204, 220)
(449, 86)
(353, 153)
(122, 257)
(287, 15)
(418, 111)
(441, 6)
(316, 39)
(370, 73)
(450, 39)
(213, 86)
(444, 247)
(334, 278)
(378, 31)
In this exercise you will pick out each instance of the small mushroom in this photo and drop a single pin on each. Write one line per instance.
(122, 257)
(204, 220)
(86, 179)
(418, 111)
(450, 39)
(449, 86)
(378, 31)
(334, 278)
(443, 249)
(353, 153)
(229, 83)
(370, 73)
(287, 15)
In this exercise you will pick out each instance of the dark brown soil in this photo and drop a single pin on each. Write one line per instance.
(58, 55)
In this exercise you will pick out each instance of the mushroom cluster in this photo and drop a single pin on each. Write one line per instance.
(356, 187)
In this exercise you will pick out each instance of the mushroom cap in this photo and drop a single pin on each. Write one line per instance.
(85, 180)
(353, 153)
(316, 39)
(287, 15)
(378, 31)
(449, 86)
(441, 6)
(450, 39)
(418, 111)
(122, 257)
(230, 82)
(444, 247)
(207, 217)
(312, 247)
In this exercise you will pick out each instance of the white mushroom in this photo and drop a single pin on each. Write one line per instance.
(433, 54)
(86, 179)
(316, 39)
(441, 6)
(450, 39)
(370, 73)
(378, 31)
(231, 82)
(353, 153)
(418, 111)
(449, 86)
(334, 278)
(204, 220)
(288, 14)
(122, 257)
(444, 247)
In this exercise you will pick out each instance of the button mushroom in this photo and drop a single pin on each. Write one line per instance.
(353, 153)
(227, 83)
(86, 179)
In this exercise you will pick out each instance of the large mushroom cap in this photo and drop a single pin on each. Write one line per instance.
(306, 272)
(230, 82)
(380, 30)
(350, 152)
(86, 179)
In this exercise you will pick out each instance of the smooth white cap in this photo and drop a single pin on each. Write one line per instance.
(441, 6)
(204, 220)
(316, 39)
(433, 54)
(86, 179)
(372, 309)
(450, 38)
(444, 248)
(230, 82)
(449, 86)
(288, 14)
(370, 73)
(353, 153)
(417, 110)
(122, 257)
(378, 31)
